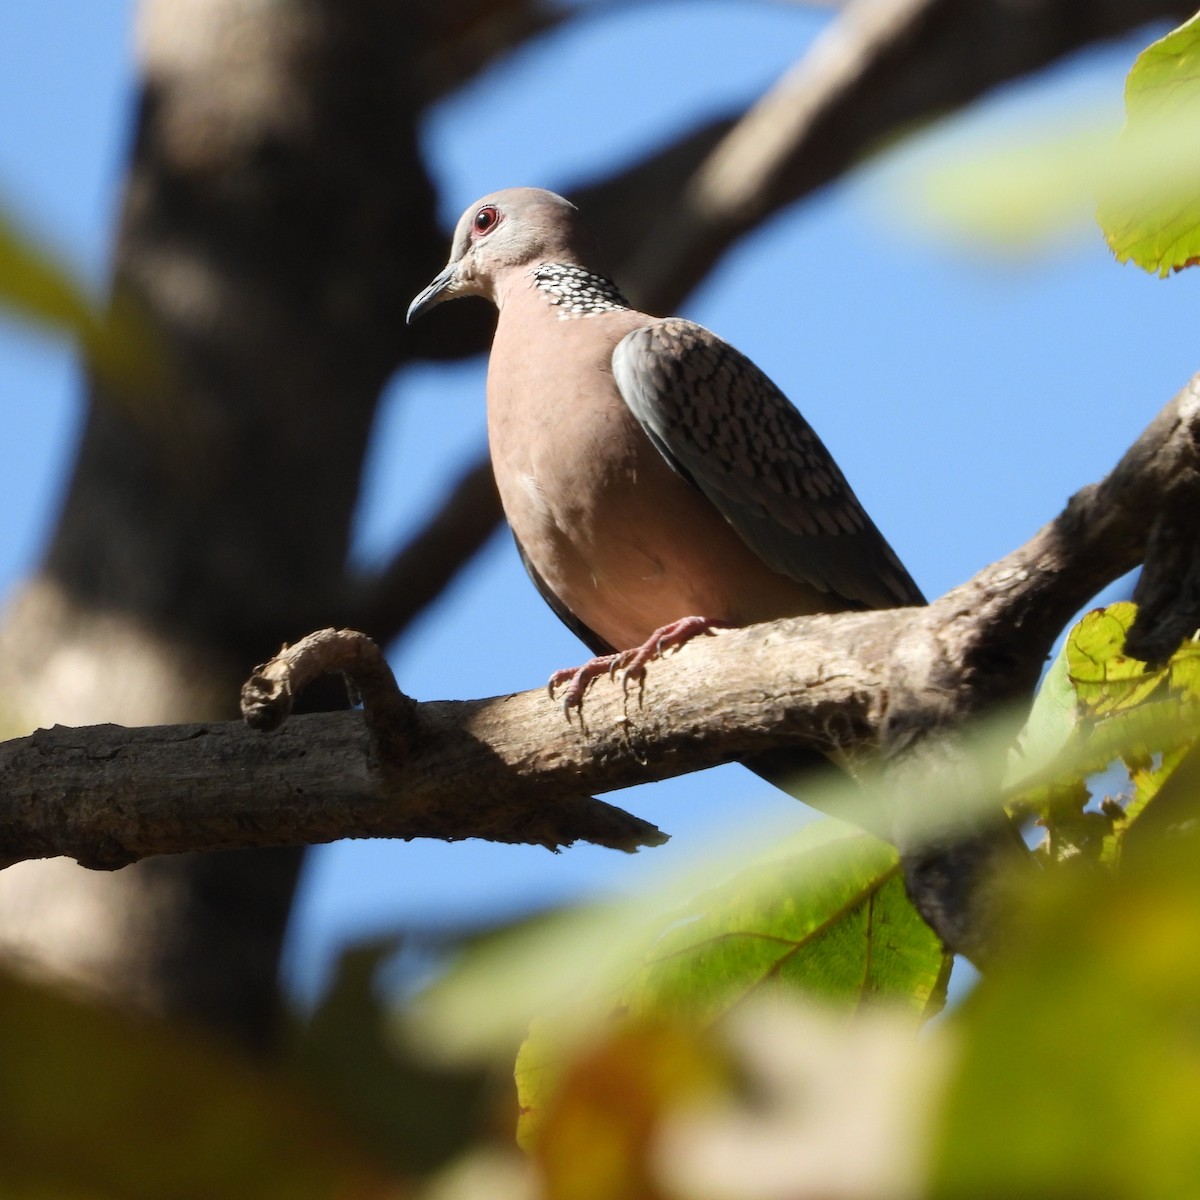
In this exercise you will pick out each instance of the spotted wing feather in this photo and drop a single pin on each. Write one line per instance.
(720, 422)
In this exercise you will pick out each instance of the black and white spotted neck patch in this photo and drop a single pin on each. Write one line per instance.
(576, 291)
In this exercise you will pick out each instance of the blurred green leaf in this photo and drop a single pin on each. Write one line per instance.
(817, 1104)
(1029, 188)
(417, 1114)
(98, 1105)
(1151, 212)
(1016, 192)
(828, 918)
(1050, 726)
(594, 1142)
(574, 964)
(1175, 790)
(1148, 782)
(1080, 1070)
(114, 336)
(38, 288)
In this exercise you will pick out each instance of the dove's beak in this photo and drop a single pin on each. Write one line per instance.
(444, 286)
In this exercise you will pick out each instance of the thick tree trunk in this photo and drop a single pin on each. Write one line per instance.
(274, 201)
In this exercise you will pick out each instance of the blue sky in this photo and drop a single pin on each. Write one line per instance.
(965, 395)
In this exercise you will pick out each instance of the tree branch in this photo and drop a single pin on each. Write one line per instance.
(108, 796)
(510, 769)
(879, 68)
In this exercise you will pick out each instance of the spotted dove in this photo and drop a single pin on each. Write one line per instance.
(657, 482)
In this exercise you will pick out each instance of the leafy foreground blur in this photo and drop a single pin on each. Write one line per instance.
(756, 1029)
(1030, 189)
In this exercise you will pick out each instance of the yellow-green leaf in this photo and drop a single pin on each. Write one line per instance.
(1019, 192)
(1105, 678)
(1142, 719)
(1150, 212)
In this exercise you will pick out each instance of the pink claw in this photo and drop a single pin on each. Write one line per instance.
(579, 679)
(630, 663)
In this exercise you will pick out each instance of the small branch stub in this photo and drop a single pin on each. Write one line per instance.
(268, 695)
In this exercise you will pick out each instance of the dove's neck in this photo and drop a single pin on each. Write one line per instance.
(575, 291)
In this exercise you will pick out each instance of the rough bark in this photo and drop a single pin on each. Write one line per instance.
(887, 685)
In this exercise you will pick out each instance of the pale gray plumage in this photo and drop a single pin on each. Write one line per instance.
(649, 471)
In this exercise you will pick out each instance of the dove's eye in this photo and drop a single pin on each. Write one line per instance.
(486, 219)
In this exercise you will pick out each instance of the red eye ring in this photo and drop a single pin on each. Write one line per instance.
(486, 219)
